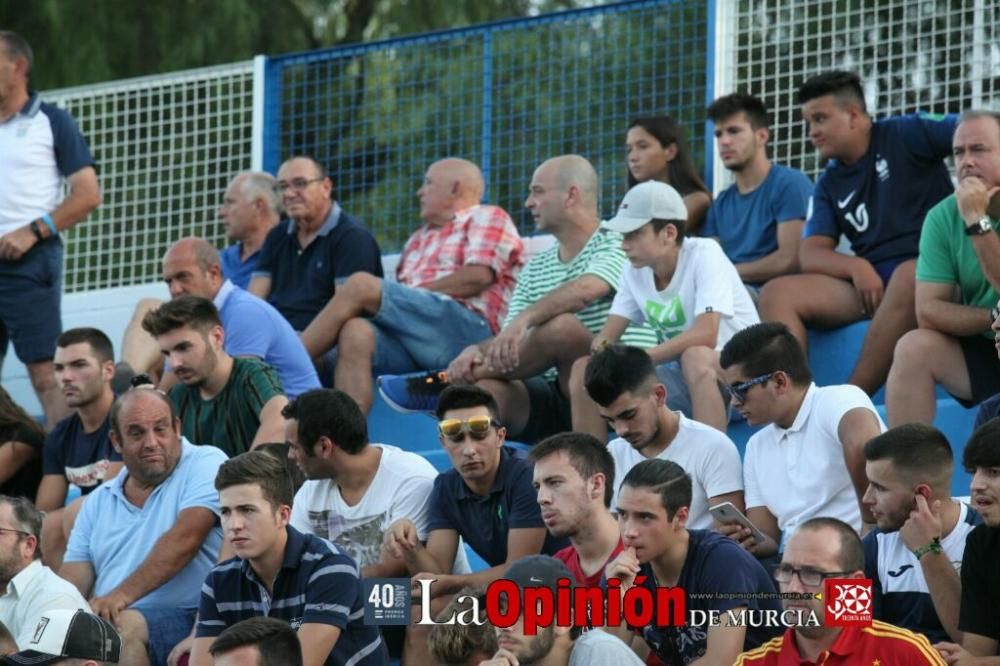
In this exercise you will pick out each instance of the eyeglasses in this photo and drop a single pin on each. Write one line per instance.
(297, 184)
(995, 313)
(739, 391)
(4, 530)
(455, 429)
(809, 576)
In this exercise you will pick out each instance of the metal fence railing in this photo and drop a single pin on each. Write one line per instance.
(506, 95)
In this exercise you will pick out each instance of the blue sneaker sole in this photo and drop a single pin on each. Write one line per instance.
(396, 406)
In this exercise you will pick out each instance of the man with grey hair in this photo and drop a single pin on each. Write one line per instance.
(958, 277)
(250, 209)
(254, 329)
(41, 151)
(560, 302)
(453, 281)
(29, 588)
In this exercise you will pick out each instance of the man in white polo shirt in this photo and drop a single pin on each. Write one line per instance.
(809, 461)
(623, 382)
(40, 148)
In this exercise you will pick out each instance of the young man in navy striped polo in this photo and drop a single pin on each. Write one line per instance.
(280, 572)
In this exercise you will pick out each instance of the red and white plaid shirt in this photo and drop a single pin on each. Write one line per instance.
(480, 235)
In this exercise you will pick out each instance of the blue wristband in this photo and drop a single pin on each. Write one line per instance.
(47, 219)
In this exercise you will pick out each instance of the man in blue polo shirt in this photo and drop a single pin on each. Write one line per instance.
(40, 147)
(254, 329)
(250, 209)
(282, 573)
(302, 261)
(144, 541)
(758, 219)
(488, 499)
(882, 178)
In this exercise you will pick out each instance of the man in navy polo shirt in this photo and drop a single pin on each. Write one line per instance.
(40, 146)
(487, 499)
(282, 573)
(302, 261)
(882, 178)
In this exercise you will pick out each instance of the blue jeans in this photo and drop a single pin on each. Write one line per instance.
(416, 329)
(167, 627)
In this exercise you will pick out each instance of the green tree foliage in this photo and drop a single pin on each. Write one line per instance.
(78, 42)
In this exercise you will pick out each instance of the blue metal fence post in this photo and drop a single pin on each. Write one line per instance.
(487, 137)
(710, 93)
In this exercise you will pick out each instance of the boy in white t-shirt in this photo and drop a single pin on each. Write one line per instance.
(632, 401)
(687, 290)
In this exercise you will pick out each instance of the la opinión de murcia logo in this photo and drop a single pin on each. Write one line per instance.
(389, 602)
(848, 602)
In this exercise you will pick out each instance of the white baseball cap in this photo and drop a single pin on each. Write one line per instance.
(647, 201)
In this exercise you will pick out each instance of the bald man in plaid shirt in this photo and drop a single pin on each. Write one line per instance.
(454, 279)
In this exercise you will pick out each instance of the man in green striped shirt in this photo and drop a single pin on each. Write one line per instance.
(231, 403)
(560, 302)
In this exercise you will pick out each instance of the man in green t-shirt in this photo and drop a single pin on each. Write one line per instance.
(231, 403)
(560, 302)
(958, 277)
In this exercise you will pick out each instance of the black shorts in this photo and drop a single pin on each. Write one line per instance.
(983, 366)
(549, 414)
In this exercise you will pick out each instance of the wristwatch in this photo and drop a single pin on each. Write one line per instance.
(35, 230)
(983, 225)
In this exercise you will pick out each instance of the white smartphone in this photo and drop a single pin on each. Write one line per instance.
(727, 513)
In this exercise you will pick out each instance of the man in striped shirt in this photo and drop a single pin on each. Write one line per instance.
(560, 302)
(280, 572)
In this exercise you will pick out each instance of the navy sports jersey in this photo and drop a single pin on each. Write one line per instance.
(900, 595)
(83, 457)
(880, 201)
(715, 570)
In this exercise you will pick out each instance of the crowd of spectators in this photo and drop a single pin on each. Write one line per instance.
(213, 496)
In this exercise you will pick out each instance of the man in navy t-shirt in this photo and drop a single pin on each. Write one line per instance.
(78, 451)
(881, 179)
(715, 572)
(758, 220)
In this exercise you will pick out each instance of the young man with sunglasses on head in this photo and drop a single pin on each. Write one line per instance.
(809, 459)
(824, 548)
(487, 500)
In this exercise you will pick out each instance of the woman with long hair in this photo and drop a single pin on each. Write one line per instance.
(21, 441)
(656, 149)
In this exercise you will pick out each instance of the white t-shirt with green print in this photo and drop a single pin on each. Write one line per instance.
(705, 280)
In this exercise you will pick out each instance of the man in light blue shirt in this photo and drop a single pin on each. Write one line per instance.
(144, 542)
(254, 329)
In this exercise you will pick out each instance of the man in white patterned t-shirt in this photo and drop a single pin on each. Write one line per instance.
(354, 490)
